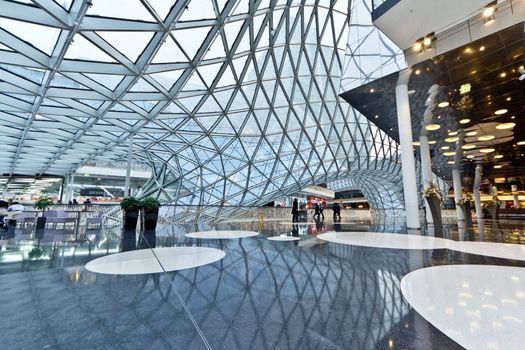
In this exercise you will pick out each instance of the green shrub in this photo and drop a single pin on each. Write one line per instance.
(43, 203)
(149, 203)
(130, 203)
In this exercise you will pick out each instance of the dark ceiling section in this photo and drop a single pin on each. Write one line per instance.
(479, 81)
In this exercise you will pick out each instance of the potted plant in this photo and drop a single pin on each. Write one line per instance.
(130, 207)
(434, 199)
(150, 207)
(42, 204)
(464, 204)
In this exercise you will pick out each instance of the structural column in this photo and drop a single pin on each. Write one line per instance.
(475, 192)
(426, 172)
(407, 153)
(456, 177)
(128, 169)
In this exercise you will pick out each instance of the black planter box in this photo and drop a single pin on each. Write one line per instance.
(40, 227)
(435, 208)
(129, 239)
(150, 225)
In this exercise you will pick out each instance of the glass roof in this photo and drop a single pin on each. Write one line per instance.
(230, 101)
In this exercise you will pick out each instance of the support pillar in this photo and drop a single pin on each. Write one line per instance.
(475, 192)
(426, 172)
(127, 191)
(514, 189)
(456, 177)
(408, 167)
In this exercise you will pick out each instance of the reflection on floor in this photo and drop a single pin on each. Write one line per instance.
(306, 294)
(480, 307)
(224, 234)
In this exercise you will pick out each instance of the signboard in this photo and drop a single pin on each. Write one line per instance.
(93, 192)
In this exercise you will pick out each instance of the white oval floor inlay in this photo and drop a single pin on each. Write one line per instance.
(478, 306)
(283, 238)
(222, 234)
(384, 240)
(143, 261)
(497, 250)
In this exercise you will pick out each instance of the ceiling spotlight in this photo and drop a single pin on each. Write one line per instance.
(433, 142)
(498, 156)
(452, 133)
(482, 48)
(416, 143)
(471, 133)
(497, 166)
(450, 162)
(509, 98)
(372, 90)
(487, 150)
(417, 46)
(443, 104)
(521, 143)
(449, 154)
(469, 146)
(445, 147)
(427, 41)
(464, 121)
(505, 126)
(376, 116)
(452, 139)
(501, 111)
(470, 156)
(503, 75)
(486, 138)
(432, 127)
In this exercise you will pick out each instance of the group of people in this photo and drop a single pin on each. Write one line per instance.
(318, 211)
(9, 213)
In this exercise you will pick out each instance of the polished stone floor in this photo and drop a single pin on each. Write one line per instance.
(263, 294)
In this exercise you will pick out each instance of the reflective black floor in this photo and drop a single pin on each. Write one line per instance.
(308, 294)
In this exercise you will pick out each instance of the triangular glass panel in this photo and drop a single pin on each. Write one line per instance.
(198, 10)
(45, 40)
(127, 9)
(223, 97)
(210, 105)
(110, 81)
(168, 78)
(61, 81)
(130, 44)
(120, 108)
(161, 7)
(191, 39)
(82, 49)
(142, 85)
(227, 78)
(194, 83)
(209, 72)
(190, 102)
(169, 52)
(146, 105)
(216, 49)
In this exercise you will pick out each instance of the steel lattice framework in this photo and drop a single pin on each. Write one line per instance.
(230, 101)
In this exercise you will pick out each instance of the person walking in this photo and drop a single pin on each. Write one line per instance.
(295, 210)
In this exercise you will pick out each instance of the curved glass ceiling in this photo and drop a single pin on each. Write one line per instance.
(230, 101)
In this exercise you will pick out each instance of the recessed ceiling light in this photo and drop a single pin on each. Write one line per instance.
(509, 98)
(432, 127)
(482, 48)
(470, 156)
(489, 11)
(432, 142)
(417, 46)
(449, 154)
(416, 143)
(468, 50)
(452, 133)
(501, 111)
(497, 166)
(376, 116)
(443, 104)
(503, 75)
(505, 126)
(498, 156)
(487, 150)
(427, 41)
(513, 117)
(469, 146)
(471, 133)
(445, 147)
(521, 143)
(450, 162)
(451, 139)
(464, 121)
(418, 71)
(372, 90)
(486, 138)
